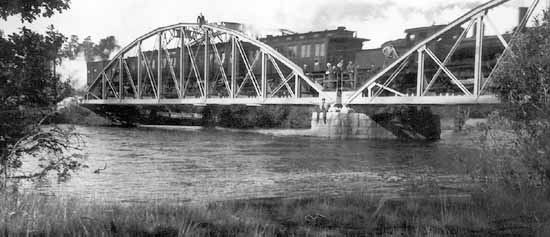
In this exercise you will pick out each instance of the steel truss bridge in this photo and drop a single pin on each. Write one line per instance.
(195, 64)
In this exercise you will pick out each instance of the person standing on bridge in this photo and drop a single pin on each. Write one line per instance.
(328, 75)
(201, 20)
(306, 69)
(316, 66)
(323, 108)
(350, 69)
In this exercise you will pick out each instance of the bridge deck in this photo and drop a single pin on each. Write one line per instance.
(393, 100)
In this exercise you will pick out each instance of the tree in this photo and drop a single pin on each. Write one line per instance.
(30, 10)
(91, 51)
(105, 47)
(522, 82)
(29, 87)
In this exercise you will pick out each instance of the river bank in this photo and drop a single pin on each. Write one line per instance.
(354, 214)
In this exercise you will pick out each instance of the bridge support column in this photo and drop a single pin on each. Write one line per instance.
(411, 122)
(343, 125)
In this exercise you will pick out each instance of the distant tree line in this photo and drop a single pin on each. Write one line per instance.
(91, 51)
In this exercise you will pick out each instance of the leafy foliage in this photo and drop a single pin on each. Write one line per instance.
(91, 51)
(28, 66)
(523, 80)
(29, 89)
(523, 84)
(30, 10)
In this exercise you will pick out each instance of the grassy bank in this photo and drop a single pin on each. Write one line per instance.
(485, 213)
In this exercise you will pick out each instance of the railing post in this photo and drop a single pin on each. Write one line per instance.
(420, 72)
(478, 69)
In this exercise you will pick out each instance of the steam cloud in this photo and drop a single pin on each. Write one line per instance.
(74, 70)
(379, 21)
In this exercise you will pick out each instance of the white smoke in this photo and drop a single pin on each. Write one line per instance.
(376, 20)
(74, 70)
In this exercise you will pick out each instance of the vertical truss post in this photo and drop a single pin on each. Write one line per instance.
(264, 76)
(206, 63)
(103, 87)
(120, 78)
(420, 72)
(182, 63)
(478, 69)
(139, 71)
(297, 91)
(159, 67)
(233, 68)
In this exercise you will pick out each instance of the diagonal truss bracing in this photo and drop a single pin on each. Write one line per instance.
(188, 61)
(477, 17)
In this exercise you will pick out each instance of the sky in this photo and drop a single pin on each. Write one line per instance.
(377, 20)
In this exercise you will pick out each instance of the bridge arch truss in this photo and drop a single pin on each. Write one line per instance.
(381, 89)
(208, 64)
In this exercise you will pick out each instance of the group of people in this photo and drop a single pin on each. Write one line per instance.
(335, 72)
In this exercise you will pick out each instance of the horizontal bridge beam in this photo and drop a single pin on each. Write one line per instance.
(389, 100)
(427, 100)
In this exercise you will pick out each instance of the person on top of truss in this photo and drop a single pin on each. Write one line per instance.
(201, 20)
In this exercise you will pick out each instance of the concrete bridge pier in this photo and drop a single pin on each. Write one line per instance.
(411, 123)
(344, 123)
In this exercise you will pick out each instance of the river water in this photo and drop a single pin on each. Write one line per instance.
(192, 165)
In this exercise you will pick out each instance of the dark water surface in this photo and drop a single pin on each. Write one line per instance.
(204, 165)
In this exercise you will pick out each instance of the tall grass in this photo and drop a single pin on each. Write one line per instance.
(355, 214)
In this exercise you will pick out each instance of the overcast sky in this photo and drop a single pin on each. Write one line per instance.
(378, 20)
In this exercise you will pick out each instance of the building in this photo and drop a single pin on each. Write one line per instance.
(317, 48)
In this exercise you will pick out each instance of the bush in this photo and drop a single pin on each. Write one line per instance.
(522, 82)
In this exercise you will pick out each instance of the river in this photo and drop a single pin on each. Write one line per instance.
(198, 165)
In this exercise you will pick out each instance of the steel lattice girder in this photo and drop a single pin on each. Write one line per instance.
(200, 36)
(476, 16)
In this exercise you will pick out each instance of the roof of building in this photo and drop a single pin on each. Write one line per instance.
(340, 32)
(425, 28)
